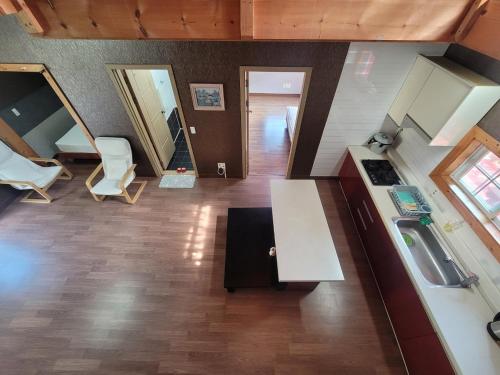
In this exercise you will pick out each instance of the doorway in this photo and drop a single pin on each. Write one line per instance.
(150, 96)
(36, 118)
(272, 105)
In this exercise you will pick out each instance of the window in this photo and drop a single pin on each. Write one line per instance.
(469, 176)
(479, 178)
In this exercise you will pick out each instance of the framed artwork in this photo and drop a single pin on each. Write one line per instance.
(207, 96)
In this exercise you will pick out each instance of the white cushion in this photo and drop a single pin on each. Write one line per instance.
(16, 167)
(110, 187)
(116, 156)
(5, 152)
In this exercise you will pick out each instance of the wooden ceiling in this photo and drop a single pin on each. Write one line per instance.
(475, 23)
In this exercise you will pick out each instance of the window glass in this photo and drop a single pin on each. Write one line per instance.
(473, 179)
(490, 164)
(479, 178)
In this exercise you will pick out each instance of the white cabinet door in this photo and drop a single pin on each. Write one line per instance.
(441, 95)
(414, 82)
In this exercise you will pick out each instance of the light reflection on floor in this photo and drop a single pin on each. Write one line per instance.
(16, 267)
(195, 239)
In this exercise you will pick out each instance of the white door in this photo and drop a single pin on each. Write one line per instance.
(153, 112)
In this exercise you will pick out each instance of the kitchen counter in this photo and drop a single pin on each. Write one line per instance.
(458, 315)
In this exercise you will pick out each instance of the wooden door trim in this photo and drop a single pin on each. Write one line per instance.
(15, 141)
(244, 126)
(136, 87)
(42, 69)
(140, 127)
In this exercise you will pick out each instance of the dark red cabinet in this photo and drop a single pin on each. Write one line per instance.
(419, 344)
(425, 355)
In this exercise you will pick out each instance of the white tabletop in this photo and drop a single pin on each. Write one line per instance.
(304, 246)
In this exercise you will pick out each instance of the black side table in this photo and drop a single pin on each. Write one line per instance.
(250, 235)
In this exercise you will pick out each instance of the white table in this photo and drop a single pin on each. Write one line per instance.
(304, 246)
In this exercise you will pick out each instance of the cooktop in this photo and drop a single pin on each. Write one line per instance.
(381, 172)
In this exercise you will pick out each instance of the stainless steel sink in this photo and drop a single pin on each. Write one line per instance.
(429, 255)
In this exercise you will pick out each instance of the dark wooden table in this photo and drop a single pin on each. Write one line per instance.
(250, 235)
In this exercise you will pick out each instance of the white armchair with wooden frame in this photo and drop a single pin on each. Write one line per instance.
(118, 168)
(24, 174)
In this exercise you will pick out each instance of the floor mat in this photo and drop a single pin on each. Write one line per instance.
(178, 181)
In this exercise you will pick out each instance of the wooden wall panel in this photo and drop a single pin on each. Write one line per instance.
(484, 35)
(138, 19)
(417, 20)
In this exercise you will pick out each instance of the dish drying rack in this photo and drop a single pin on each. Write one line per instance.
(422, 207)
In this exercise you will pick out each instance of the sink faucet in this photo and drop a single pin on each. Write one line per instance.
(466, 279)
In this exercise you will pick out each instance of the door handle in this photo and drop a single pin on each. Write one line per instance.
(361, 217)
(368, 211)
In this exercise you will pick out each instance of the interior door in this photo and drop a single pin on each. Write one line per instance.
(153, 113)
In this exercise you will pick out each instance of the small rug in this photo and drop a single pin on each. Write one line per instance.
(177, 181)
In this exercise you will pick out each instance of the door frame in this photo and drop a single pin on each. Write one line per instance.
(244, 126)
(115, 72)
(42, 69)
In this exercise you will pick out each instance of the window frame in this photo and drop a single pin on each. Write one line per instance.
(473, 213)
(462, 170)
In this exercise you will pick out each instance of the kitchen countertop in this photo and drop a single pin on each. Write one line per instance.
(458, 315)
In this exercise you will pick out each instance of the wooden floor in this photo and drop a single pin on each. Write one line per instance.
(108, 288)
(269, 143)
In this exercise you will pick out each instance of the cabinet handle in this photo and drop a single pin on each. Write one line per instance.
(361, 217)
(368, 211)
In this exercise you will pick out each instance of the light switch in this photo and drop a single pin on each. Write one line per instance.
(16, 112)
(192, 129)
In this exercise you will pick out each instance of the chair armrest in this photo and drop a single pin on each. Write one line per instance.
(126, 175)
(90, 179)
(45, 160)
(15, 182)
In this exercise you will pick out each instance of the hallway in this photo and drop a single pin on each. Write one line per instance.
(269, 142)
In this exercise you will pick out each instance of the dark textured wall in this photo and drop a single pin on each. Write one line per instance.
(486, 66)
(79, 68)
(14, 86)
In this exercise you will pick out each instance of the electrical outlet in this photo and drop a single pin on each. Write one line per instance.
(221, 169)
(192, 129)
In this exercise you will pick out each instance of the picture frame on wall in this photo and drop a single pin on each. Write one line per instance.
(207, 96)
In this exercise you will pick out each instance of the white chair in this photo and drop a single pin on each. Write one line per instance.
(23, 174)
(116, 156)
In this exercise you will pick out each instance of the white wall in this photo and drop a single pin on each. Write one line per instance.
(468, 248)
(275, 82)
(164, 88)
(372, 75)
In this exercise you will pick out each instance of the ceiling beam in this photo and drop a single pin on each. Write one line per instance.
(8, 7)
(31, 18)
(246, 19)
(477, 8)
(484, 35)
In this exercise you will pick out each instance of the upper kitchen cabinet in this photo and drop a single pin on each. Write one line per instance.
(444, 99)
